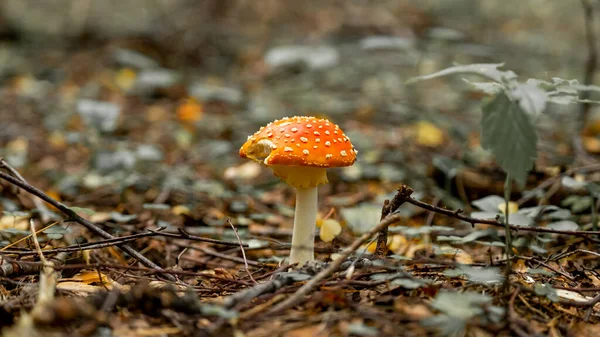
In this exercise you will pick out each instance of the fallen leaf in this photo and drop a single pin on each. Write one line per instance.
(513, 207)
(428, 134)
(190, 111)
(330, 228)
(125, 79)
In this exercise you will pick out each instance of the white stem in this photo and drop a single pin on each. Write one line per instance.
(305, 219)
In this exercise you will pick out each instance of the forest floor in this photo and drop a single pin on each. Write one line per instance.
(126, 210)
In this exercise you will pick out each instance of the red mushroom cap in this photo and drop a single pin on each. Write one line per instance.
(300, 141)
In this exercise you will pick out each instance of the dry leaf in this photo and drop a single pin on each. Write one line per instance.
(513, 207)
(190, 111)
(330, 228)
(428, 134)
(125, 79)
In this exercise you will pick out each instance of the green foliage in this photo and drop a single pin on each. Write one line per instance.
(510, 135)
(508, 129)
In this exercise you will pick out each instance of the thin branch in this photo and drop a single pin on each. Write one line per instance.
(44, 212)
(243, 252)
(458, 215)
(87, 224)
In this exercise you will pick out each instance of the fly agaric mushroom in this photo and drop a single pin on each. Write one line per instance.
(299, 150)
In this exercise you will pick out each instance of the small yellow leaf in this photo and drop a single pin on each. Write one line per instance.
(398, 244)
(79, 288)
(463, 257)
(16, 222)
(180, 210)
(428, 134)
(513, 207)
(125, 78)
(57, 140)
(330, 228)
(92, 277)
(370, 248)
(189, 111)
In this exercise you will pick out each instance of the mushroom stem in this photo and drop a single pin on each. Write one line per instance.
(305, 219)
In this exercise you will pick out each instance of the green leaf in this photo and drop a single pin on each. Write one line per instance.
(508, 132)
(532, 99)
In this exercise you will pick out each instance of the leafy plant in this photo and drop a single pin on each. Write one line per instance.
(507, 123)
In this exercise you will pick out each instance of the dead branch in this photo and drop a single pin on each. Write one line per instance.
(87, 224)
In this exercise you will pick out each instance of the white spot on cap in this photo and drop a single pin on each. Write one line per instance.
(304, 139)
(288, 149)
(294, 129)
(328, 156)
(309, 126)
(305, 152)
(314, 147)
(327, 143)
(282, 130)
(287, 135)
(343, 153)
(317, 133)
(327, 132)
(317, 140)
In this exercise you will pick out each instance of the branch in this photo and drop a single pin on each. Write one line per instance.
(87, 224)
(457, 215)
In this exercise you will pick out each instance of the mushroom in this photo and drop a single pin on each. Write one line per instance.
(299, 150)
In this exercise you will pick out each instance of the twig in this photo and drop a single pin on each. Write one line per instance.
(48, 276)
(388, 208)
(457, 215)
(381, 249)
(248, 294)
(87, 224)
(142, 269)
(243, 252)
(219, 255)
(514, 320)
(298, 296)
(187, 236)
(3, 249)
(44, 211)
(550, 181)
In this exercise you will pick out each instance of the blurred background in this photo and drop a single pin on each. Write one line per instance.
(115, 103)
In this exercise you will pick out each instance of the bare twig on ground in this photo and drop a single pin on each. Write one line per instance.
(116, 241)
(44, 212)
(550, 181)
(458, 215)
(388, 208)
(248, 294)
(87, 224)
(243, 252)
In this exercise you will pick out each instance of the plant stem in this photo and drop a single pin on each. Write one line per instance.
(508, 243)
(305, 219)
